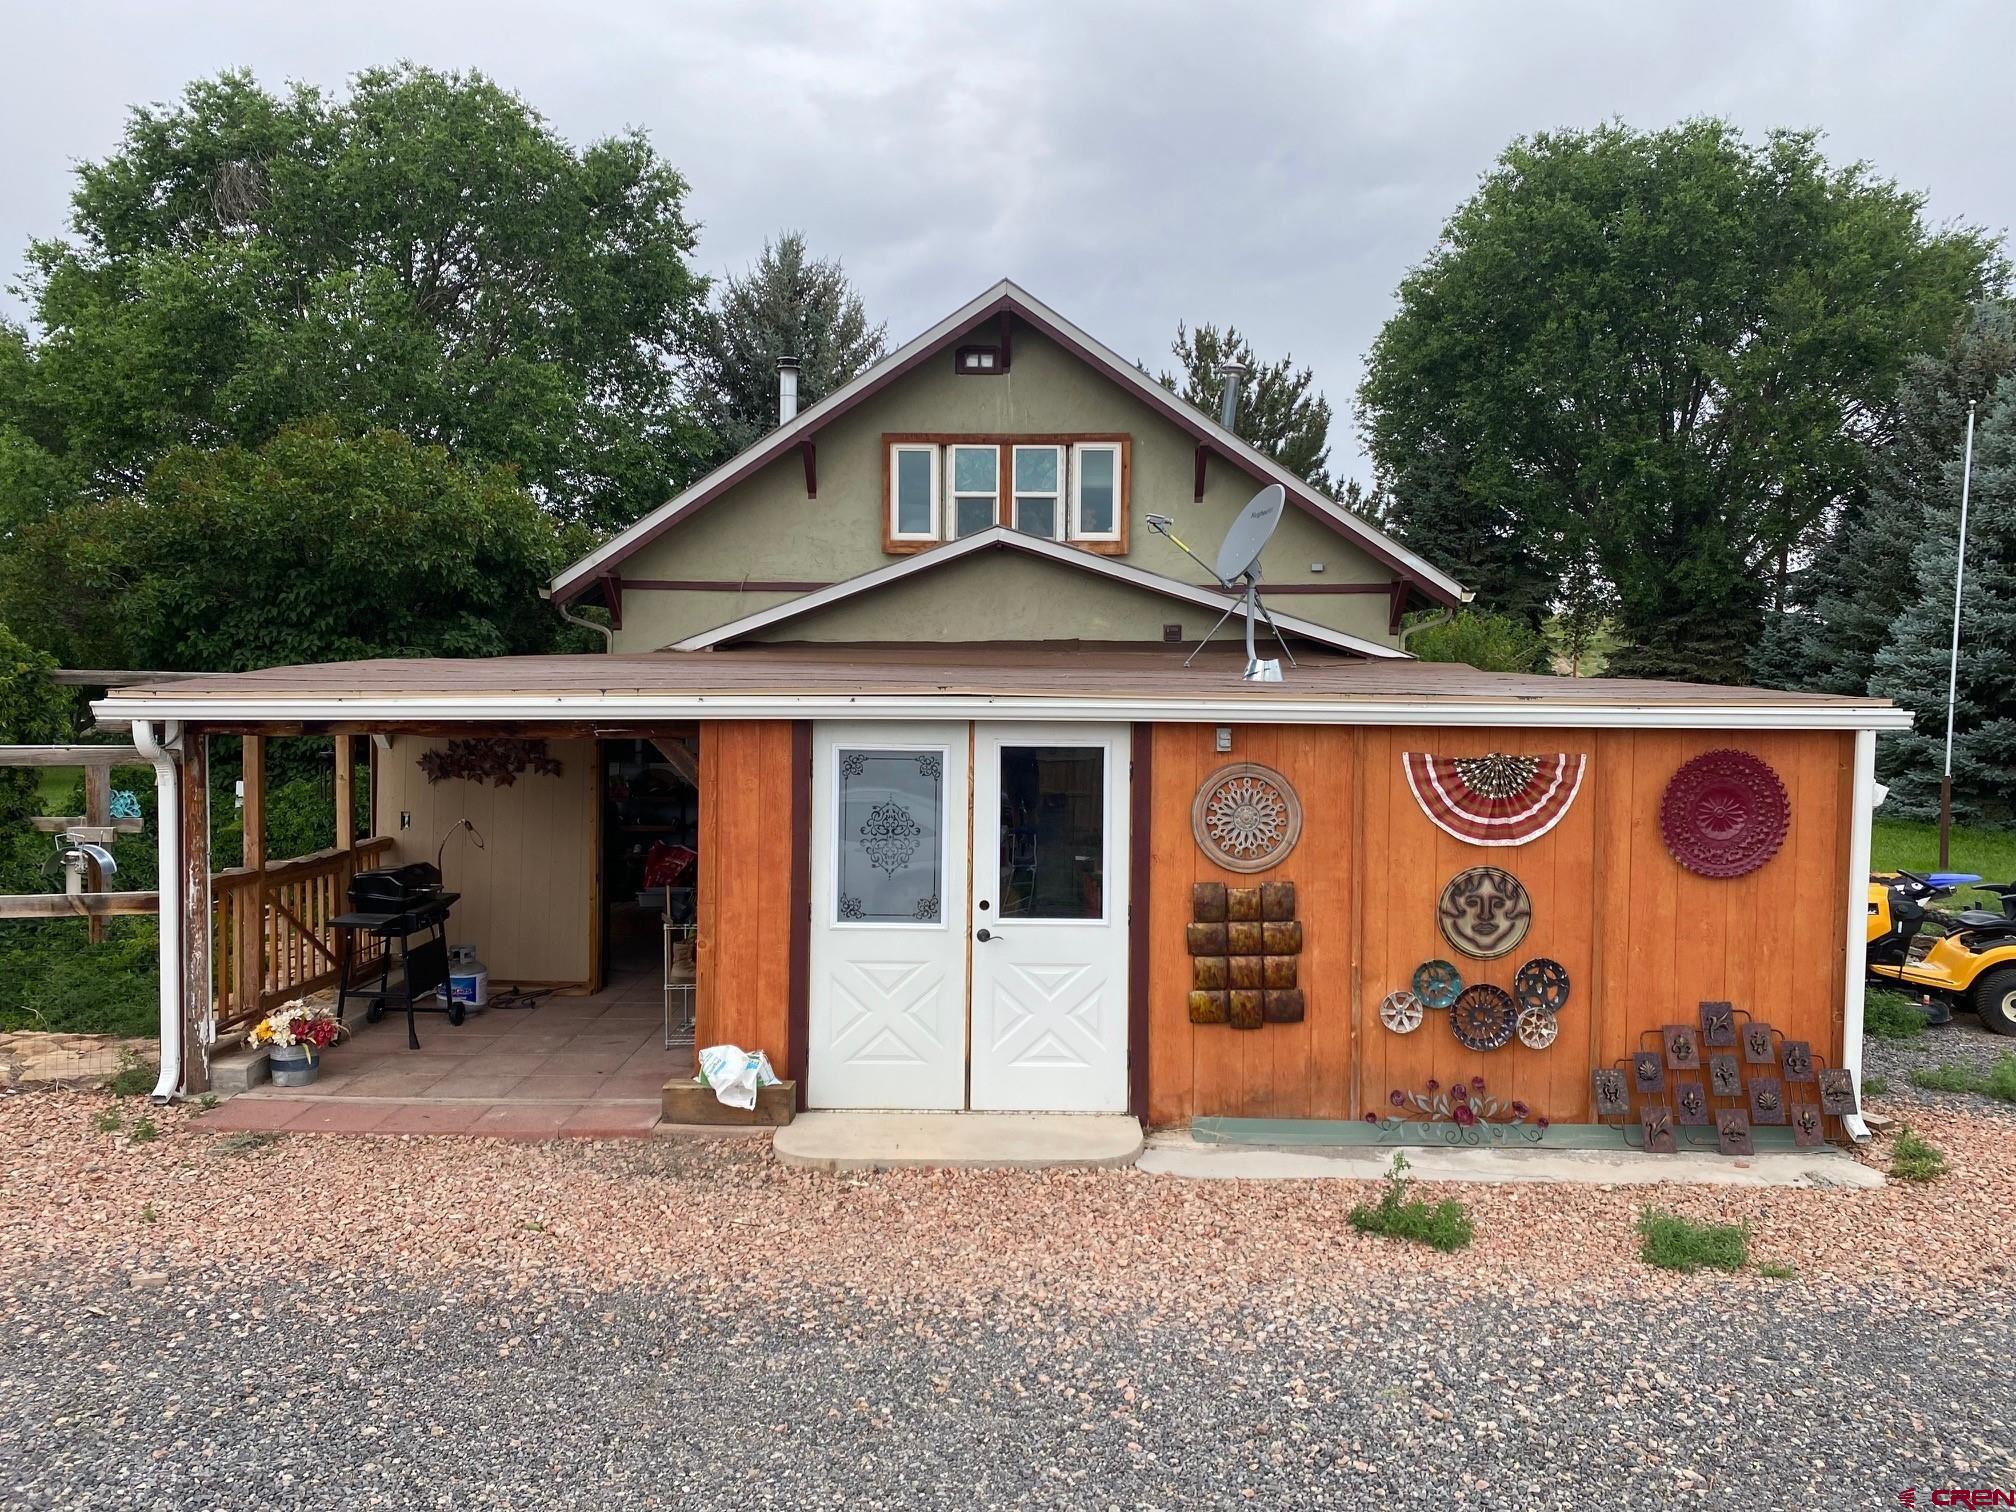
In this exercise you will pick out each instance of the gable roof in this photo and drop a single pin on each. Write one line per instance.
(1001, 538)
(1004, 297)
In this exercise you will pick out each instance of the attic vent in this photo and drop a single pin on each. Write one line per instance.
(984, 360)
(1172, 633)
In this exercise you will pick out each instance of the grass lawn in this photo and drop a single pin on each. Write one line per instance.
(1914, 845)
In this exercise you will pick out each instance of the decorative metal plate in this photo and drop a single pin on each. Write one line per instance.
(1542, 983)
(1656, 1124)
(1245, 1008)
(1767, 1100)
(1724, 814)
(1277, 901)
(1282, 1005)
(1208, 1007)
(1732, 1132)
(1683, 1048)
(1758, 1049)
(1807, 1129)
(1484, 1017)
(1537, 1028)
(1246, 817)
(1484, 912)
(1242, 903)
(1690, 1103)
(1725, 1076)
(1648, 1073)
(1837, 1091)
(1400, 1011)
(1613, 1095)
(1796, 1056)
(1207, 902)
(1495, 799)
(1718, 1025)
(1437, 983)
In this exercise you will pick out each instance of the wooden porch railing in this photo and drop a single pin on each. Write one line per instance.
(271, 938)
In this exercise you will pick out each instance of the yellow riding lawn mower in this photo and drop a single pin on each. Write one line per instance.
(1947, 960)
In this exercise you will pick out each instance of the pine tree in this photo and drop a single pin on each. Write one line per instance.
(789, 304)
(1277, 412)
(1912, 668)
(1845, 601)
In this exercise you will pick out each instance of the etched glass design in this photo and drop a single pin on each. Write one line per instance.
(890, 822)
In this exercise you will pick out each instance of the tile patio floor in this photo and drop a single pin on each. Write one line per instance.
(591, 1066)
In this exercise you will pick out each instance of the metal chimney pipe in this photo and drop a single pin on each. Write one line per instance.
(1232, 375)
(787, 390)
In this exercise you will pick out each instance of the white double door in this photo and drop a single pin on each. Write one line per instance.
(969, 917)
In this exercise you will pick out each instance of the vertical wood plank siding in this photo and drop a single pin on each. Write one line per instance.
(1643, 939)
(749, 811)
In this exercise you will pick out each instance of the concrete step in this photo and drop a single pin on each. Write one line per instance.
(833, 1141)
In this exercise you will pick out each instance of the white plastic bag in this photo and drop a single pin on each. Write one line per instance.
(735, 1073)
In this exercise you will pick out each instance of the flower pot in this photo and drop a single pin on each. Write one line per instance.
(293, 1065)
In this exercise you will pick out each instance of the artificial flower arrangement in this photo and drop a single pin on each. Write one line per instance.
(298, 1023)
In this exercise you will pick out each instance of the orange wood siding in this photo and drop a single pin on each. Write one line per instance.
(1643, 939)
(742, 950)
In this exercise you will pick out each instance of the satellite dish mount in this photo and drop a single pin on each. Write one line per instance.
(1238, 571)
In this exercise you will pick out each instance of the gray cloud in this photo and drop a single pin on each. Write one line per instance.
(1133, 164)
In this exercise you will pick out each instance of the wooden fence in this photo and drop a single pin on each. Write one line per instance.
(271, 938)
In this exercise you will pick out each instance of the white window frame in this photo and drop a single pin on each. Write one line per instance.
(896, 450)
(1015, 494)
(1078, 451)
(952, 492)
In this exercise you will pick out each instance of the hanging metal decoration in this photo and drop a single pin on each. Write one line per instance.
(1758, 1049)
(1837, 1091)
(1246, 817)
(1807, 1130)
(1682, 1053)
(1495, 799)
(1690, 1103)
(1718, 1025)
(1724, 814)
(1767, 1100)
(1732, 1132)
(1541, 983)
(1655, 1124)
(1797, 1058)
(1437, 983)
(1484, 912)
(1400, 1011)
(1537, 1028)
(1483, 1018)
(1613, 1097)
(1725, 1075)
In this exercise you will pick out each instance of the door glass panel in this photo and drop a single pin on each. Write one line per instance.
(891, 817)
(1053, 832)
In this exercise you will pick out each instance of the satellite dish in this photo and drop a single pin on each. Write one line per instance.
(1250, 532)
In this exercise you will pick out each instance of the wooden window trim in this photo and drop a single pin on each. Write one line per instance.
(1004, 497)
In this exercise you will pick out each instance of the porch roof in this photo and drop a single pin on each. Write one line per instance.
(1052, 680)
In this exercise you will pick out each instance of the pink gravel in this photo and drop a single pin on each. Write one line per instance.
(721, 1216)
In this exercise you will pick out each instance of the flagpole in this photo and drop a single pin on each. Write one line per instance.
(1953, 661)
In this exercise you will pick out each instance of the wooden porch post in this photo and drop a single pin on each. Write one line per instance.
(251, 942)
(97, 810)
(346, 778)
(199, 998)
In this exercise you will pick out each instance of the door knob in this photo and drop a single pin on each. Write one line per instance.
(984, 935)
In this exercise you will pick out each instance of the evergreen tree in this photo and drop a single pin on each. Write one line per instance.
(1278, 414)
(1912, 668)
(789, 304)
(1844, 603)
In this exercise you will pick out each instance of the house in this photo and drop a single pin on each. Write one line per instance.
(912, 680)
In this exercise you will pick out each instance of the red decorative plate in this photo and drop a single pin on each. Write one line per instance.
(1725, 813)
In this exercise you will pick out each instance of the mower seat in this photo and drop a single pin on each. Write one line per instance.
(1981, 918)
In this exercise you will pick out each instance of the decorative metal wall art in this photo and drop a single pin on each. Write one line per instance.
(1537, 1028)
(1683, 1052)
(1541, 983)
(1483, 1018)
(1437, 983)
(1690, 1103)
(1837, 1091)
(1496, 799)
(1464, 1114)
(1484, 912)
(1244, 945)
(1655, 1126)
(1400, 1011)
(1718, 1025)
(1732, 1133)
(1246, 817)
(1724, 814)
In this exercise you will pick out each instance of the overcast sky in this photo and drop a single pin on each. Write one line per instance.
(1275, 166)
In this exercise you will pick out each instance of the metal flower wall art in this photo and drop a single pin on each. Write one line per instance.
(1246, 817)
(1484, 912)
(1495, 799)
(1464, 1113)
(1724, 814)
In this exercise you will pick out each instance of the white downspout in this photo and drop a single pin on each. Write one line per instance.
(168, 850)
(1861, 813)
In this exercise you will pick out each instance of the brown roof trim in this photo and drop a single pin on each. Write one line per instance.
(732, 585)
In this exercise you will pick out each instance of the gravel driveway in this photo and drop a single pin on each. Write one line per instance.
(194, 1321)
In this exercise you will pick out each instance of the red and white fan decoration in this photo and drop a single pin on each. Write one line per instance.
(1495, 799)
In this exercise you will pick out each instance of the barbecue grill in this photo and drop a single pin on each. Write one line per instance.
(406, 909)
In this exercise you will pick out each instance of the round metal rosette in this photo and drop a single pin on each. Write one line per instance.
(1400, 1011)
(1483, 1018)
(1724, 814)
(1437, 984)
(1246, 817)
(1543, 984)
(1537, 1028)
(1484, 912)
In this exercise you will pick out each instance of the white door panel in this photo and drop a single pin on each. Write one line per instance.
(887, 1019)
(1050, 891)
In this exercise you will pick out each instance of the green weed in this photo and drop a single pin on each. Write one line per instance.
(108, 1122)
(1913, 1159)
(1444, 1225)
(1875, 1086)
(1772, 1271)
(1674, 1243)
(1891, 1016)
(143, 1131)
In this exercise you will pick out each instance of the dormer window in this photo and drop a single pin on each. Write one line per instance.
(985, 360)
(1060, 488)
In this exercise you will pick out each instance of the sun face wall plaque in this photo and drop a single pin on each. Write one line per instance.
(1495, 799)
(1246, 817)
(1484, 912)
(1724, 814)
